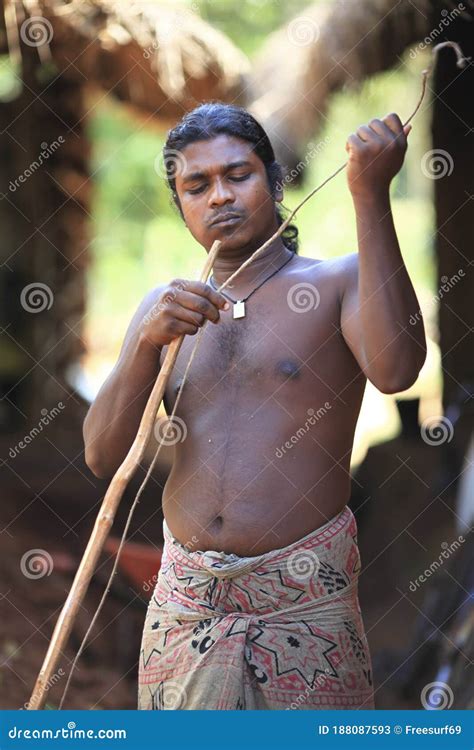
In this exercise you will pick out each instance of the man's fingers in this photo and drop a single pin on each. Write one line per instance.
(381, 128)
(393, 121)
(353, 141)
(178, 327)
(198, 304)
(377, 130)
(200, 288)
(185, 314)
(366, 134)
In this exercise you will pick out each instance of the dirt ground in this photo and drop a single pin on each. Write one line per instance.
(50, 501)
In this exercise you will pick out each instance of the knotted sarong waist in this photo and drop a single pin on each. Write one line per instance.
(278, 630)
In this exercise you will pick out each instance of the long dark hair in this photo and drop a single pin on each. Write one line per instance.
(214, 118)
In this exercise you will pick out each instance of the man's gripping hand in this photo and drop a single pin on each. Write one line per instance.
(182, 308)
(376, 153)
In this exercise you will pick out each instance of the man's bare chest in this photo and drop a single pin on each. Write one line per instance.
(279, 355)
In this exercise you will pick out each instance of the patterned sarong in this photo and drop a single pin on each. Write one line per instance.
(282, 630)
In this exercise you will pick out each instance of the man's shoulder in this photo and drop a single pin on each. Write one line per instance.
(343, 269)
(147, 302)
(340, 264)
(144, 308)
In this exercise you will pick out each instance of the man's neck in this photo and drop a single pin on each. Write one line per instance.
(272, 257)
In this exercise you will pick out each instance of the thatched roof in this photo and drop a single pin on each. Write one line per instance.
(157, 57)
(325, 48)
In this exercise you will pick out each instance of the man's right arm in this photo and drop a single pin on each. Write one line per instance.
(167, 312)
(113, 419)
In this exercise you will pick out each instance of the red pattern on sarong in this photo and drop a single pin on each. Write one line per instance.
(282, 630)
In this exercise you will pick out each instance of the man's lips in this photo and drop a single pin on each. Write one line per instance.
(229, 218)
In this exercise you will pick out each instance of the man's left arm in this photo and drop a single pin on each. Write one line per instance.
(378, 299)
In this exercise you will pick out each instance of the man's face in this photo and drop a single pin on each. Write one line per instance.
(223, 179)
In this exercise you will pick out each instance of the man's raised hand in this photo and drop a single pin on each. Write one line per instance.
(376, 153)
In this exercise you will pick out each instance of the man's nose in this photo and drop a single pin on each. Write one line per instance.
(220, 193)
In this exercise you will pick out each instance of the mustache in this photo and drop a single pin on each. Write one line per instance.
(225, 215)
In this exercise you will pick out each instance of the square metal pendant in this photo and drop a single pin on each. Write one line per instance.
(238, 309)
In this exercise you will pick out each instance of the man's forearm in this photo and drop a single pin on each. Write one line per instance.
(395, 350)
(113, 419)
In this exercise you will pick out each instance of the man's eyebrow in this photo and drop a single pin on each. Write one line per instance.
(225, 168)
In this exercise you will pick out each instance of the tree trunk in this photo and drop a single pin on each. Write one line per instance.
(45, 190)
(453, 138)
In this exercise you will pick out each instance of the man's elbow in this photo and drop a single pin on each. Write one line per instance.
(95, 466)
(402, 381)
(91, 457)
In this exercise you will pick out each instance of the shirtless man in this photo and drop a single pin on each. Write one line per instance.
(311, 335)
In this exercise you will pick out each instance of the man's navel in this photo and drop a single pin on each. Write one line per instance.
(289, 368)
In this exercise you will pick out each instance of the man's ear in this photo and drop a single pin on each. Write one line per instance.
(278, 195)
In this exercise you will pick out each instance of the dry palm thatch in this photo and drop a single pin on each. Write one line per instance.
(158, 57)
(329, 46)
